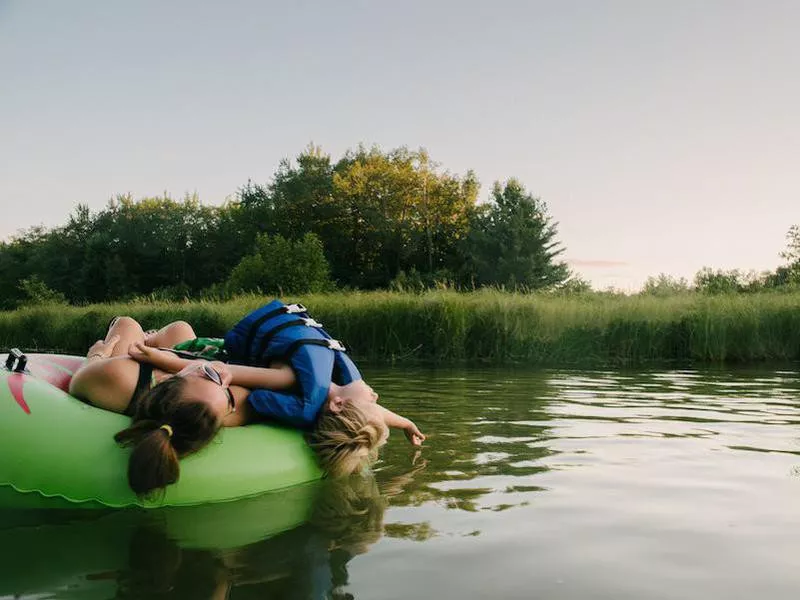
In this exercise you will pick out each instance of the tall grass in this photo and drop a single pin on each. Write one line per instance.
(484, 326)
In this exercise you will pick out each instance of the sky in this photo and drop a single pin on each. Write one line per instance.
(664, 135)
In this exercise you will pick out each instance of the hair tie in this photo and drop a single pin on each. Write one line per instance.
(168, 429)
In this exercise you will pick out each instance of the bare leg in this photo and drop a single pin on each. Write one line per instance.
(169, 335)
(129, 332)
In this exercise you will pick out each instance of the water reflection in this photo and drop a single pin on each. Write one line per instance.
(291, 544)
(669, 484)
(486, 431)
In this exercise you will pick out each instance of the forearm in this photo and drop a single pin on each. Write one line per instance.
(393, 419)
(167, 361)
(412, 433)
(268, 378)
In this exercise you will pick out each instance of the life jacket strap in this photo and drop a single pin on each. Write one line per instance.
(305, 321)
(297, 344)
(291, 309)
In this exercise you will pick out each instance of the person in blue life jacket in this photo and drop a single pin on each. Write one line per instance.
(330, 398)
(294, 373)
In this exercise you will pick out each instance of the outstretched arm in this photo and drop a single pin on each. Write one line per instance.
(248, 377)
(412, 433)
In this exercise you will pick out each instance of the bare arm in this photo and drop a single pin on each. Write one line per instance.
(269, 378)
(412, 433)
(94, 378)
(105, 383)
(248, 377)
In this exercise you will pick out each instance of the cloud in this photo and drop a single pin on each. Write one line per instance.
(598, 264)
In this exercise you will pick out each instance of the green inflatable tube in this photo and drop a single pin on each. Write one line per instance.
(54, 445)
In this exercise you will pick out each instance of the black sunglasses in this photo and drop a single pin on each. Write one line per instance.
(211, 373)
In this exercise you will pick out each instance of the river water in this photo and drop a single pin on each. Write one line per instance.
(532, 484)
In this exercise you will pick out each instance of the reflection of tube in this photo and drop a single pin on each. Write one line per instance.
(198, 552)
(76, 548)
(309, 561)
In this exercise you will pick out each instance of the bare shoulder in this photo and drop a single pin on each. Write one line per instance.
(106, 383)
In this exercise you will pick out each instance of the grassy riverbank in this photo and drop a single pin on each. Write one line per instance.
(485, 326)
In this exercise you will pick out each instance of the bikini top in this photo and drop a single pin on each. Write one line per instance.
(143, 385)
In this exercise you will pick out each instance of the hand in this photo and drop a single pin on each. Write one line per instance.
(103, 348)
(161, 359)
(223, 370)
(139, 352)
(413, 434)
(418, 462)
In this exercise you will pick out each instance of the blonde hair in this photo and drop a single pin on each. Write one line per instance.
(348, 441)
(350, 512)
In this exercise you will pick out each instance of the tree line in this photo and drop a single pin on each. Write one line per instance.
(786, 277)
(370, 220)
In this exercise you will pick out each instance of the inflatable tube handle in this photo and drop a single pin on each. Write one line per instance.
(16, 355)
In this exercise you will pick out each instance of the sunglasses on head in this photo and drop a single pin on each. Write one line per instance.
(211, 373)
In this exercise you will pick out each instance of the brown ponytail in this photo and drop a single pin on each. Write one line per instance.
(165, 428)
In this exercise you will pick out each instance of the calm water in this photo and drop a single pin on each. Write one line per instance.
(573, 485)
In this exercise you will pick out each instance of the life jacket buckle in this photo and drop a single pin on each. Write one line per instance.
(336, 345)
(309, 322)
(293, 309)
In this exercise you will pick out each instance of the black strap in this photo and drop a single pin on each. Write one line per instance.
(142, 385)
(251, 333)
(271, 334)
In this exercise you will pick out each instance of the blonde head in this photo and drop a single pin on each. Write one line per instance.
(348, 441)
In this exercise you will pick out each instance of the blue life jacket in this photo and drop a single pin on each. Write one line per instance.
(280, 332)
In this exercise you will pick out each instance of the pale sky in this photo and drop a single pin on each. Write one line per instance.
(663, 135)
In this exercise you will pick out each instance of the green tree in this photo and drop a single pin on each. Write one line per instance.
(512, 242)
(718, 281)
(279, 265)
(35, 291)
(400, 214)
(139, 247)
(575, 285)
(665, 285)
(792, 252)
(377, 213)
